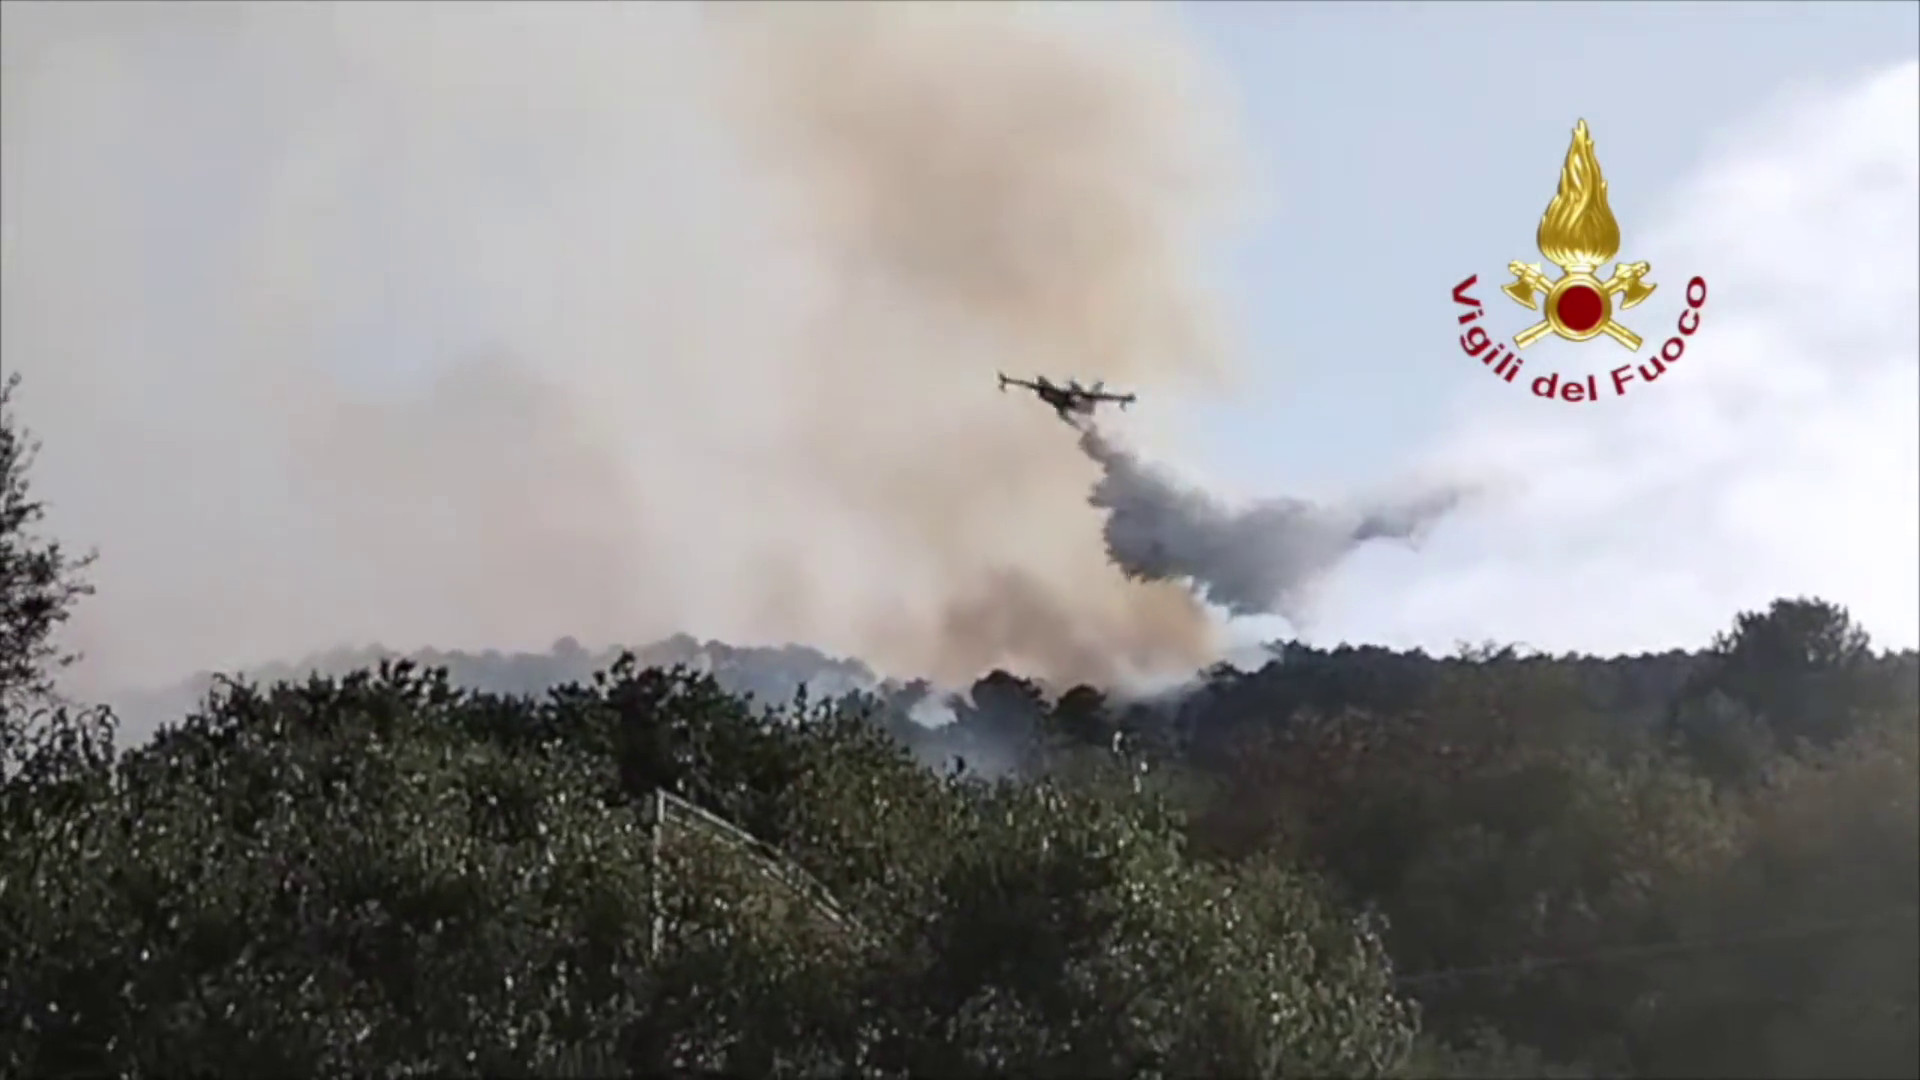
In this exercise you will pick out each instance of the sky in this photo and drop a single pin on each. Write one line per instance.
(1401, 147)
(243, 242)
(1473, 103)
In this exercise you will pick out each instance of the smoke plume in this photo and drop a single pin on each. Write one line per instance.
(1260, 560)
(477, 325)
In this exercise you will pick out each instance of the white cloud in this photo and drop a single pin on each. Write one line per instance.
(1780, 457)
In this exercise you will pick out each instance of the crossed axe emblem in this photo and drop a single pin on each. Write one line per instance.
(1626, 283)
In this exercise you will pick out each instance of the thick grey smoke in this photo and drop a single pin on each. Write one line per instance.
(1263, 559)
(479, 325)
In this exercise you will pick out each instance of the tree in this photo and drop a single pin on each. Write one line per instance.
(39, 580)
(1798, 671)
(41, 735)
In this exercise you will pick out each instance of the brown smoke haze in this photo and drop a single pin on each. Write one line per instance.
(476, 326)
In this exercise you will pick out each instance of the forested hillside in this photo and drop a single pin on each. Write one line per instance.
(769, 675)
(1344, 863)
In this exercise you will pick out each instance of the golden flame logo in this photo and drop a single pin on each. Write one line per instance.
(1578, 234)
(1578, 231)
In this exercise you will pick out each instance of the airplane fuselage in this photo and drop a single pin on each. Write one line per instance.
(1065, 400)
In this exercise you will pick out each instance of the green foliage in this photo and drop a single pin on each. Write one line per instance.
(39, 580)
(1800, 671)
(1072, 937)
(384, 875)
(43, 739)
(320, 880)
(1347, 863)
(1823, 894)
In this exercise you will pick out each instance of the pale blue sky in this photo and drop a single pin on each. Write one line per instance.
(1402, 146)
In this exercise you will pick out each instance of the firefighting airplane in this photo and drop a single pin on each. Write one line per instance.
(1069, 400)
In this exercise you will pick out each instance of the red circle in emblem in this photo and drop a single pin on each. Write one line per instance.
(1581, 308)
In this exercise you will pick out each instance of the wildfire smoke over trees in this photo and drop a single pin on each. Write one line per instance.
(1355, 862)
